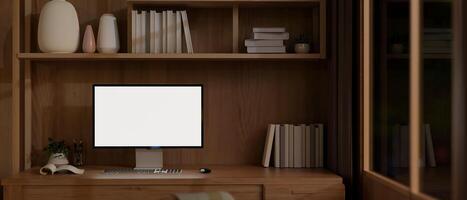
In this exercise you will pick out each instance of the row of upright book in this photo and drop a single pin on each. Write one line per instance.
(294, 146)
(267, 40)
(400, 147)
(437, 40)
(160, 32)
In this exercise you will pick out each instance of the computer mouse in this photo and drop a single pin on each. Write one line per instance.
(205, 170)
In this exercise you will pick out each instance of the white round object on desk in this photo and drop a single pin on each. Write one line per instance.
(107, 37)
(58, 30)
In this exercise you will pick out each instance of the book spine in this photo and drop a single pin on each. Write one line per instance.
(164, 32)
(179, 32)
(404, 147)
(430, 148)
(396, 146)
(171, 29)
(186, 28)
(316, 128)
(307, 147)
(268, 29)
(291, 145)
(303, 150)
(321, 145)
(152, 31)
(286, 144)
(271, 36)
(277, 148)
(143, 32)
(133, 31)
(281, 130)
(297, 147)
(138, 33)
(158, 33)
(268, 145)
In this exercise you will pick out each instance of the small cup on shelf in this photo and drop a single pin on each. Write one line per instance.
(302, 48)
(302, 44)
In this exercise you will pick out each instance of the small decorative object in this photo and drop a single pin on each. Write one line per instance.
(58, 152)
(89, 41)
(58, 30)
(78, 152)
(397, 48)
(302, 45)
(107, 38)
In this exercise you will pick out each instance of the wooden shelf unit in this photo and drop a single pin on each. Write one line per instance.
(307, 17)
(52, 96)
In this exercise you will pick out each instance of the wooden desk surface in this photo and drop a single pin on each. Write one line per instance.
(190, 175)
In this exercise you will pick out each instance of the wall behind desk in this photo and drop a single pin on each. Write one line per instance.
(5, 87)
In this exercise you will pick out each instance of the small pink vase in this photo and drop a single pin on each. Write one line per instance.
(89, 42)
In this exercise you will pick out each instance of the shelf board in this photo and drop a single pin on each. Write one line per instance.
(173, 57)
(232, 2)
(425, 1)
(424, 56)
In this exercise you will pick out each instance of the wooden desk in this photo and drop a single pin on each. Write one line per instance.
(243, 182)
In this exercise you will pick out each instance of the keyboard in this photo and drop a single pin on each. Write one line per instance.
(142, 171)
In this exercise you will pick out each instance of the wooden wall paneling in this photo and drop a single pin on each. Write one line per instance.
(331, 137)
(459, 111)
(345, 89)
(235, 30)
(322, 27)
(129, 27)
(416, 64)
(241, 98)
(27, 87)
(6, 7)
(211, 29)
(16, 90)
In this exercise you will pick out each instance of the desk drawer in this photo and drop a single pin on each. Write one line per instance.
(309, 192)
(240, 192)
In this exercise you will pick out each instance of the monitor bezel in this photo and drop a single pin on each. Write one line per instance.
(145, 85)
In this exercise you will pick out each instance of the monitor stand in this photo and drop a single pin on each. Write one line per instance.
(149, 158)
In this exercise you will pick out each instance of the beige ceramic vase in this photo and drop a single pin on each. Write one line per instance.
(58, 30)
(107, 36)
(89, 41)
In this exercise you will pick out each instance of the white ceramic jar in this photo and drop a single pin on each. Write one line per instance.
(58, 30)
(107, 37)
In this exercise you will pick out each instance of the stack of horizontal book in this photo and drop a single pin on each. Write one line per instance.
(294, 146)
(160, 32)
(267, 40)
(437, 41)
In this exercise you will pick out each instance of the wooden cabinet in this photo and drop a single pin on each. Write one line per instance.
(309, 191)
(161, 192)
(243, 182)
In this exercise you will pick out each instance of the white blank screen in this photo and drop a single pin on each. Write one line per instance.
(147, 116)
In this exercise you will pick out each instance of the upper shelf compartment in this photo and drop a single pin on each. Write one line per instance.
(227, 3)
(218, 29)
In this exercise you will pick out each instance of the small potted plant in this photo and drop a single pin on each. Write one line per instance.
(302, 44)
(57, 151)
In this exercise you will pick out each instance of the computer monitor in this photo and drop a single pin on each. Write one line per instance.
(148, 116)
